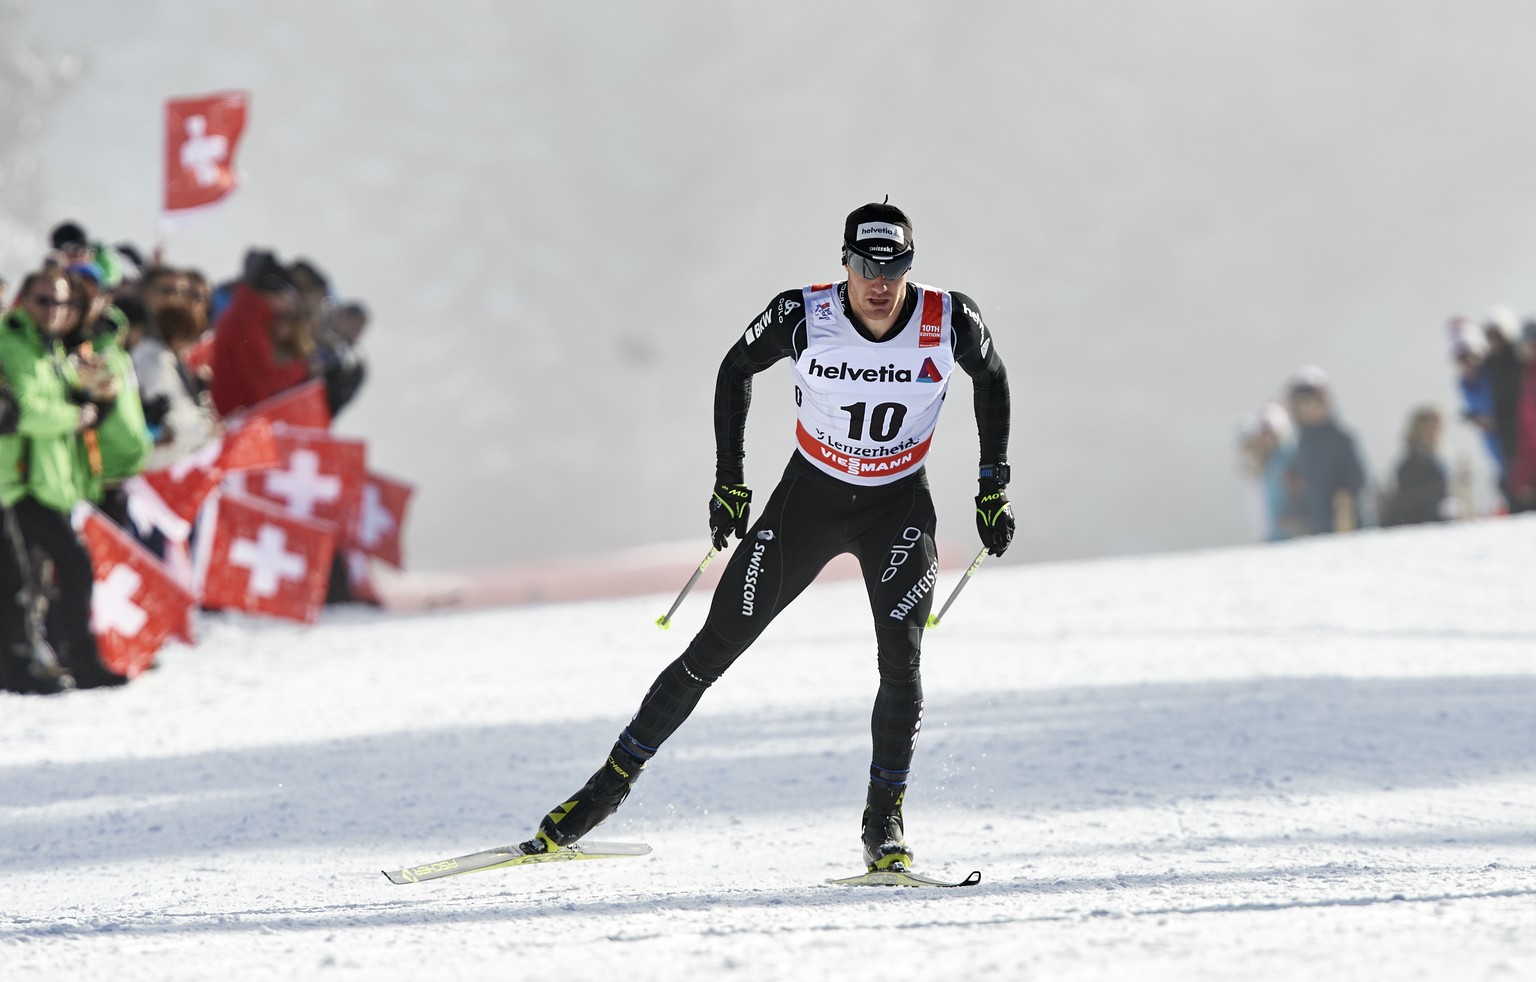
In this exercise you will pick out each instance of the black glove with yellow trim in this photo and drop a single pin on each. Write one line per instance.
(994, 517)
(728, 510)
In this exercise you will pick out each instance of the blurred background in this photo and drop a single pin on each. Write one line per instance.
(562, 215)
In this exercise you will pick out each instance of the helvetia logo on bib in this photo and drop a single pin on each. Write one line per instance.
(929, 372)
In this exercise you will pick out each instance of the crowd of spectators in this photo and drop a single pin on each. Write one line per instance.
(113, 363)
(1304, 465)
(1496, 375)
(1308, 477)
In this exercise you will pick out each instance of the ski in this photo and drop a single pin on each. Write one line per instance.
(897, 877)
(505, 856)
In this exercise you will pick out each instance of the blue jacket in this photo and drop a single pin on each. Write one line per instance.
(1477, 400)
(1326, 463)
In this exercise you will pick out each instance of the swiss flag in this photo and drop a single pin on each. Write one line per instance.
(257, 558)
(201, 133)
(380, 518)
(136, 603)
(302, 405)
(320, 476)
(249, 445)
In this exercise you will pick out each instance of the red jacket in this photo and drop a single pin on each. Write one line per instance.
(245, 365)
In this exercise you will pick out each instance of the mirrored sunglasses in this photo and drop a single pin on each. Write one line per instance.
(891, 269)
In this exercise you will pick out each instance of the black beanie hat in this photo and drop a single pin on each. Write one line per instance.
(878, 230)
(68, 234)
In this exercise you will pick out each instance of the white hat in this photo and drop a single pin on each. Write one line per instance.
(1309, 377)
(1505, 319)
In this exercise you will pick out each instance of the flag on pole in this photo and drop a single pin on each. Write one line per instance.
(201, 134)
(247, 445)
(256, 557)
(136, 603)
(380, 518)
(319, 476)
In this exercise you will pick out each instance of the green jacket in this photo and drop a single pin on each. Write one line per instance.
(122, 434)
(41, 458)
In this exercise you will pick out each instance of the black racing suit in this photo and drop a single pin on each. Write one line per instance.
(811, 517)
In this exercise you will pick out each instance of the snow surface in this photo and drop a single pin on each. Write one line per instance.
(1309, 761)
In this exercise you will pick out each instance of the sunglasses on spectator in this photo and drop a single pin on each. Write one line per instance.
(43, 301)
(891, 269)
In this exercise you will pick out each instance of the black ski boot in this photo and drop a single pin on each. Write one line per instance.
(587, 808)
(32, 670)
(885, 844)
(86, 668)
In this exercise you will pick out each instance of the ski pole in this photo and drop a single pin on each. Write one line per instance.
(933, 619)
(665, 620)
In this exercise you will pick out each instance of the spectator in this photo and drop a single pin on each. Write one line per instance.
(337, 356)
(70, 243)
(199, 297)
(39, 470)
(1269, 444)
(135, 258)
(119, 445)
(260, 346)
(1468, 347)
(1422, 491)
(1325, 476)
(313, 285)
(72, 246)
(1502, 366)
(186, 417)
(1522, 474)
(135, 317)
(161, 285)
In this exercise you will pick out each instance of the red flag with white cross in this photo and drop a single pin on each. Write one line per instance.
(183, 486)
(302, 405)
(201, 135)
(254, 556)
(380, 519)
(319, 476)
(136, 604)
(250, 445)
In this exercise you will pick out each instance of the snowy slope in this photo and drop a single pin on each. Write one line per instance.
(1307, 761)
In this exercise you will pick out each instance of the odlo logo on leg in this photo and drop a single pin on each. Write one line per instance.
(910, 537)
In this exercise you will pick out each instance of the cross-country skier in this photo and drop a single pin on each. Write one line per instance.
(872, 358)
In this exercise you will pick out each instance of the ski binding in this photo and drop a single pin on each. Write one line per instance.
(898, 875)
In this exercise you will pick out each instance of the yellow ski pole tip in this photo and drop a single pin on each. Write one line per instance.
(663, 623)
(933, 620)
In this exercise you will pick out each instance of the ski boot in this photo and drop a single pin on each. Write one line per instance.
(885, 844)
(597, 799)
(32, 669)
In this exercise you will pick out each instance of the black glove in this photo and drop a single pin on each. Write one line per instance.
(728, 509)
(994, 517)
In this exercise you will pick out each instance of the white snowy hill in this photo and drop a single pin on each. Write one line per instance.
(1309, 761)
